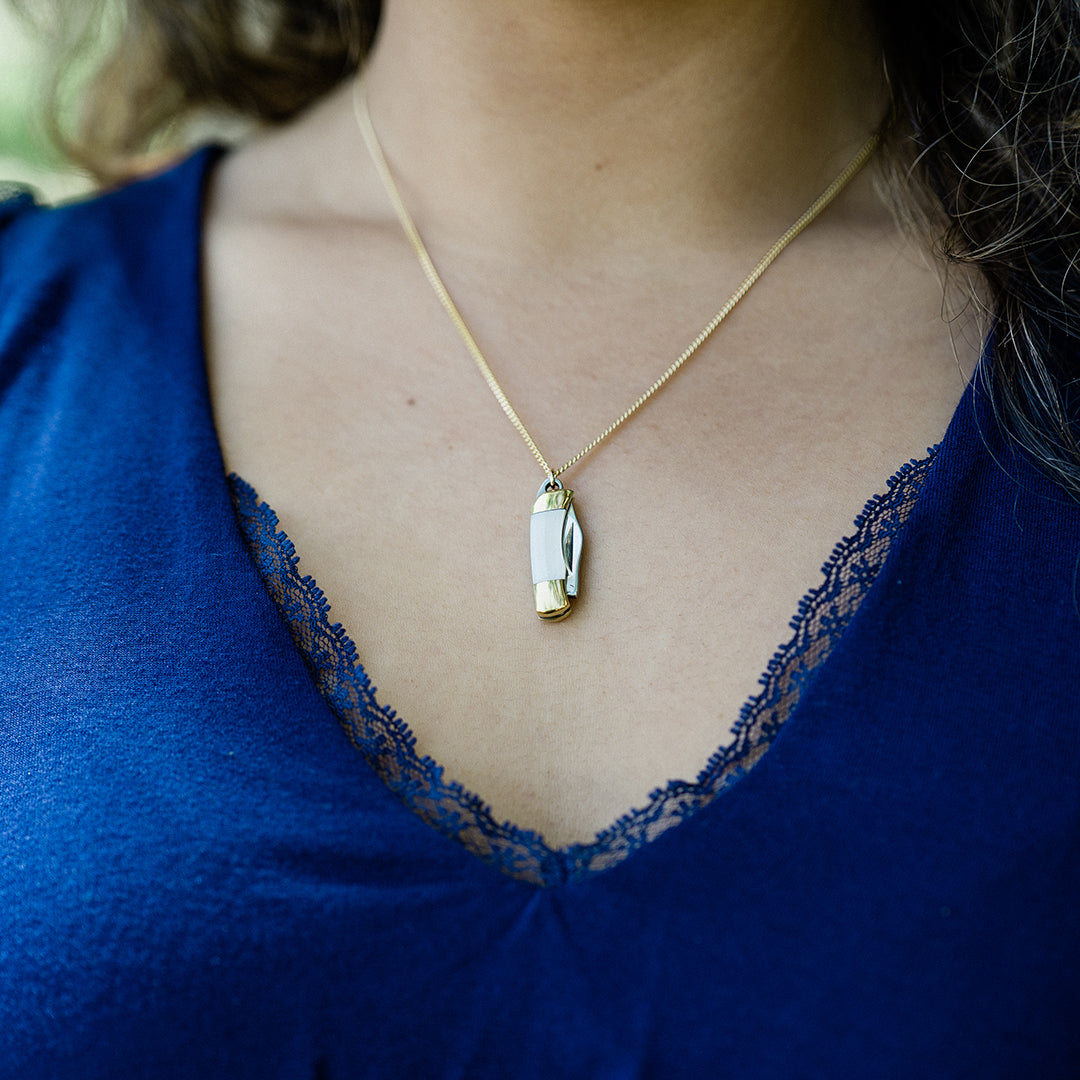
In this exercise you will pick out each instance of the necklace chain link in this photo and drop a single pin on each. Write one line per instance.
(367, 130)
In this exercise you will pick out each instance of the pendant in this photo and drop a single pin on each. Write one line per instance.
(555, 542)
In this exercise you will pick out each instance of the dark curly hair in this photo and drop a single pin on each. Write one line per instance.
(983, 130)
(986, 106)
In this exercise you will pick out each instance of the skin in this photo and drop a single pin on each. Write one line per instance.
(594, 178)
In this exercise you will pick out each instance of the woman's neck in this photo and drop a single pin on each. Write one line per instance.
(559, 128)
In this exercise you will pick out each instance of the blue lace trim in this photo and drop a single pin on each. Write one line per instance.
(389, 746)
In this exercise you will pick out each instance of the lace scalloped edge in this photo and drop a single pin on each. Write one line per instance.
(389, 746)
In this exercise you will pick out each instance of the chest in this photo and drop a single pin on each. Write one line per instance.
(351, 406)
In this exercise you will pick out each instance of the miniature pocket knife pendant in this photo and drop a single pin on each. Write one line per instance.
(556, 550)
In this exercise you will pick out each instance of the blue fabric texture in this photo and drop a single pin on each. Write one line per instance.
(206, 868)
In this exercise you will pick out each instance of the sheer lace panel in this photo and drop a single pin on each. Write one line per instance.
(389, 746)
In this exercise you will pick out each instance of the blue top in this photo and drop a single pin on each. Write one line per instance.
(221, 857)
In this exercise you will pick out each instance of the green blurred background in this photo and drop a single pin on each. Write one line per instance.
(25, 154)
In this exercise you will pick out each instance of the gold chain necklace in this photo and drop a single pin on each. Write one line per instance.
(554, 530)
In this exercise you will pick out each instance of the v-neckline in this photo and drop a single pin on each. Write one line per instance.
(388, 745)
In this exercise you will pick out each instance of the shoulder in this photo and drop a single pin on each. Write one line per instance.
(99, 313)
(36, 240)
(107, 260)
(102, 379)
